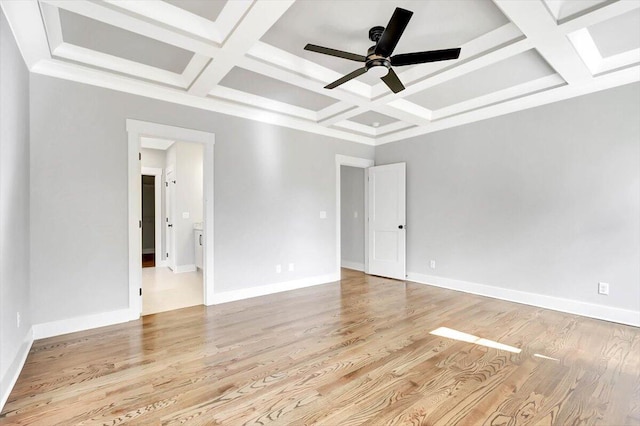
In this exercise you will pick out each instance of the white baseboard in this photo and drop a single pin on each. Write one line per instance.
(86, 322)
(8, 381)
(184, 268)
(607, 313)
(356, 266)
(263, 290)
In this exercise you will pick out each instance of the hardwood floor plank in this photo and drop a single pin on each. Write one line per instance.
(356, 352)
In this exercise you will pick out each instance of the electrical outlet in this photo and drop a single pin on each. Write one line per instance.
(291, 267)
(432, 264)
(278, 268)
(18, 319)
(603, 288)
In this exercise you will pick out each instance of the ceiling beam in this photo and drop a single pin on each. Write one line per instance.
(541, 29)
(604, 13)
(104, 13)
(172, 16)
(28, 30)
(262, 15)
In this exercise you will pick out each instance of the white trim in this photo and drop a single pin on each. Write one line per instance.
(607, 313)
(170, 249)
(25, 21)
(136, 24)
(157, 182)
(179, 269)
(10, 377)
(80, 54)
(363, 163)
(135, 238)
(263, 290)
(85, 322)
(208, 195)
(136, 129)
(356, 266)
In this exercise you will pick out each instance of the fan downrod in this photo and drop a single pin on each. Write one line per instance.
(375, 33)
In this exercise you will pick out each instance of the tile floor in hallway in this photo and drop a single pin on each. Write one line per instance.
(163, 290)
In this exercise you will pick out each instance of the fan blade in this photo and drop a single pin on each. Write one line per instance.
(393, 81)
(346, 78)
(393, 32)
(334, 52)
(422, 57)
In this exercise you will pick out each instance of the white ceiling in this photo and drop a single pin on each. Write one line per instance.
(246, 57)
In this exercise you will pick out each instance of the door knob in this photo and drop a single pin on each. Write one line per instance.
(400, 227)
(170, 225)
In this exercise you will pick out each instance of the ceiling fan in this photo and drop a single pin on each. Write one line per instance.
(379, 60)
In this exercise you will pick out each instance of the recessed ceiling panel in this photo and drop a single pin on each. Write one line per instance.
(345, 26)
(617, 35)
(267, 87)
(510, 72)
(96, 35)
(370, 117)
(563, 9)
(208, 9)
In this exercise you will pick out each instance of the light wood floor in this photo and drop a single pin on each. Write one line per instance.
(357, 352)
(164, 290)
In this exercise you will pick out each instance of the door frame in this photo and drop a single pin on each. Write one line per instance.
(136, 129)
(170, 214)
(157, 193)
(362, 163)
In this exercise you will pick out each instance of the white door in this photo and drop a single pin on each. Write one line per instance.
(387, 227)
(170, 187)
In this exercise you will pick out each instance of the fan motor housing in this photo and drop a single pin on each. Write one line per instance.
(375, 33)
(374, 60)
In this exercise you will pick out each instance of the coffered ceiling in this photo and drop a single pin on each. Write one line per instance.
(246, 57)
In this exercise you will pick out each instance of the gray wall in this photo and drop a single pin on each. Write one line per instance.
(14, 205)
(545, 200)
(352, 203)
(270, 185)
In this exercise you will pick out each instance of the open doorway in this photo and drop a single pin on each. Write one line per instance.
(150, 150)
(177, 282)
(351, 213)
(352, 217)
(148, 221)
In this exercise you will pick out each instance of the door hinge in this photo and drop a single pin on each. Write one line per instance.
(139, 156)
(166, 184)
(140, 291)
(140, 224)
(167, 255)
